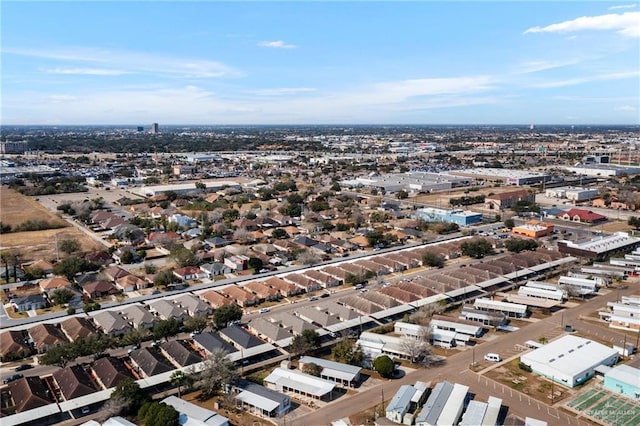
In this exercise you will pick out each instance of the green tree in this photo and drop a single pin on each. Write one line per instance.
(130, 396)
(304, 342)
(201, 186)
(312, 369)
(347, 351)
(91, 306)
(384, 366)
(183, 256)
(279, 233)
(217, 373)
(164, 329)
(158, 414)
(179, 379)
(195, 323)
(61, 296)
(69, 245)
(226, 314)
(476, 249)
(127, 257)
(58, 355)
(432, 259)
(70, 266)
(163, 278)
(255, 263)
(402, 194)
(516, 245)
(634, 221)
(509, 223)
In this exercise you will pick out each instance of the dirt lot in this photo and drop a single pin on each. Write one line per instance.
(530, 384)
(615, 226)
(15, 209)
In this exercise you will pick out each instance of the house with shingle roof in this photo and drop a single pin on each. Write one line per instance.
(100, 288)
(239, 338)
(110, 371)
(28, 393)
(29, 302)
(324, 279)
(241, 296)
(189, 273)
(44, 266)
(166, 310)
(111, 322)
(74, 382)
(54, 283)
(150, 361)
(302, 281)
(211, 342)
(193, 305)
(285, 288)
(215, 269)
(46, 336)
(269, 330)
(138, 317)
(114, 272)
(179, 353)
(130, 283)
(264, 292)
(13, 345)
(215, 299)
(77, 328)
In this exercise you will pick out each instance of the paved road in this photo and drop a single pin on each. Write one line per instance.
(456, 370)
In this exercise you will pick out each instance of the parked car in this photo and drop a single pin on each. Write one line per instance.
(12, 378)
(492, 357)
(264, 310)
(23, 367)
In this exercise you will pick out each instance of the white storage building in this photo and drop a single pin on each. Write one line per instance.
(509, 309)
(284, 380)
(570, 360)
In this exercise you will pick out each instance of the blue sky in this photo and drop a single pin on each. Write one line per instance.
(208, 62)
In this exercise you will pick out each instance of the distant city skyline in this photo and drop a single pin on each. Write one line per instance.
(279, 63)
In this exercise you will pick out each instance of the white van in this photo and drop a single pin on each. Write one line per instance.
(492, 357)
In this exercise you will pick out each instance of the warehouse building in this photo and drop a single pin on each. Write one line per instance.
(570, 360)
(575, 194)
(457, 216)
(508, 176)
(600, 248)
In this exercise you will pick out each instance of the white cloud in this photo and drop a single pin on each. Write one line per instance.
(627, 24)
(131, 62)
(85, 71)
(589, 79)
(544, 65)
(277, 44)
(623, 6)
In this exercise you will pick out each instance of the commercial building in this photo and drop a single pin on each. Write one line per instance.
(533, 229)
(412, 182)
(623, 380)
(506, 200)
(569, 360)
(457, 216)
(601, 170)
(573, 193)
(508, 176)
(13, 147)
(186, 188)
(601, 247)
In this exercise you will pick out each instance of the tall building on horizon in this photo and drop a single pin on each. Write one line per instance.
(154, 128)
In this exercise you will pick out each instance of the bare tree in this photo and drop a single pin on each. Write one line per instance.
(242, 235)
(423, 315)
(217, 373)
(418, 348)
(308, 258)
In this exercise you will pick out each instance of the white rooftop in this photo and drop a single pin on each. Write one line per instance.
(306, 383)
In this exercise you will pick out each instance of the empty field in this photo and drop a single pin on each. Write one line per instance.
(16, 208)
